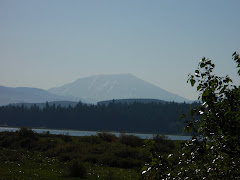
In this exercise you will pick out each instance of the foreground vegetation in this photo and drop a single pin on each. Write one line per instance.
(214, 151)
(26, 154)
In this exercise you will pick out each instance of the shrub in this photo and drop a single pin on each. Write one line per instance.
(129, 163)
(91, 158)
(47, 144)
(24, 133)
(45, 134)
(131, 140)
(59, 150)
(109, 160)
(27, 137)
(110, 175)
(27, 143)
(125, 152)
(65, 137)
(64, 158)
(97, 149)
(91, 139)
(76, 169)
(8, 141)
(109, 137)
(163, 144)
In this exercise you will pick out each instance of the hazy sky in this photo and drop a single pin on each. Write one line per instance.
(46, 43)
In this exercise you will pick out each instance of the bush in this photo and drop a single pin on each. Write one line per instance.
(91, 158)
(27, 137)
(109, 137)
(59, 150)
(131, 140)
(8, 141)
(163, 144)
(45, 134)
(47, 144)
(65, 137)
(100, 149)
(64, 157)
(76, 169)
(129, 163)
(26, 133)
(125, 152)
(109, 160)
(91, 139)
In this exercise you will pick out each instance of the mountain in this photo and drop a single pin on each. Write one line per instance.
(9, 95)
(120, 86)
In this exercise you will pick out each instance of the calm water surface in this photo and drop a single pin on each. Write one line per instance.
(90, 133)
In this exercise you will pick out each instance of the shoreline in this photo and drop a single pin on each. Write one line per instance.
(79, 130)
(92, 133)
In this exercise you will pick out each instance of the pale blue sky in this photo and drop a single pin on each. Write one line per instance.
(46, 43)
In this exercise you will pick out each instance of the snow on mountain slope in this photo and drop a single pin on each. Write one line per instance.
(119, 86)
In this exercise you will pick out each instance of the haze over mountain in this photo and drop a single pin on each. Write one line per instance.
(119, 86)
(9, 95)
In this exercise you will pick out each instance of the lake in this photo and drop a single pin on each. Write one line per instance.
(90, 133)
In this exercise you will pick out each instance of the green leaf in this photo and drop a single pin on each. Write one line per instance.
(199, 87)
(192, 81)
(182, 116)
(188, 129)
(202, 65)
(208, 146)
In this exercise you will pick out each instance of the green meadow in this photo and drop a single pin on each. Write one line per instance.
(27, 155)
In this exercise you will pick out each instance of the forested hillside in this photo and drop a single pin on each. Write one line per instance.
(136, 117)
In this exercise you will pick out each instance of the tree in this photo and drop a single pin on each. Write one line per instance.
(214, 151)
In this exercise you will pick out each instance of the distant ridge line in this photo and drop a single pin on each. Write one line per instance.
(98, 88)
(131, 101)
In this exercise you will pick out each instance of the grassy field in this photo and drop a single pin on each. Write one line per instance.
(28, 165)
(27, 155)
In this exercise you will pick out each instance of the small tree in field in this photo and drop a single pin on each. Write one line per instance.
(214, 151)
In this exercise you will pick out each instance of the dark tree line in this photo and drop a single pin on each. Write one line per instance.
(136, 117)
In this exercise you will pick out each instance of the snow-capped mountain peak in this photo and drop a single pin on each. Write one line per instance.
(118, 86)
